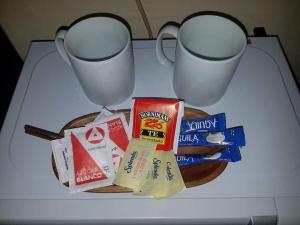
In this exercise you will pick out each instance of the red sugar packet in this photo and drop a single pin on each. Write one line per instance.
(90, 163)
(119, 136)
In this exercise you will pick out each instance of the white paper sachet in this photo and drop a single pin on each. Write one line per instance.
(61, 159)
(118, 136)
(90, 164)
(103, 114)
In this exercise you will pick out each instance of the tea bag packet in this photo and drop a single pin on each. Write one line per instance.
(158, 120)
(164, 178)
(61, 158)
(90, 164)
(135, 165)
(213, 123)
(232, 136)
(228, 154)
(118, 136)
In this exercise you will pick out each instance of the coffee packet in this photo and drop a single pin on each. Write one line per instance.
(90, 164)
(135, 165)
(213, 123)
(232, 136)
(228, 154)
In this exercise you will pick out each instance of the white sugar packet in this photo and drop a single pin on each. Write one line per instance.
(119, 135)
(103, 114)
(90, 162)
(61, 158)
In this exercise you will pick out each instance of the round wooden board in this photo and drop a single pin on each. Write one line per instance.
(192, 175)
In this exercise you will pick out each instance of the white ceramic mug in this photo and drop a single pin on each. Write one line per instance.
(208, 51)
(99, 50)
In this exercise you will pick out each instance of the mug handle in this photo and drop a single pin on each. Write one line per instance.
(59, 42)
(162, 58)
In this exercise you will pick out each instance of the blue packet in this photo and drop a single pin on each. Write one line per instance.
(228, 154)
(232, 136)
(212, 123)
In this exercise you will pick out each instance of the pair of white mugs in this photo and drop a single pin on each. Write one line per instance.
(208, 51)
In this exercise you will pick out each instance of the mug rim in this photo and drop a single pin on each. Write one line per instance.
(208, 58)
(102, 59)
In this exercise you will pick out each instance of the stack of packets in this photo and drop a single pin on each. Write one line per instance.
(210, 132)
(89, 157)
(141, 156)
(149, 166)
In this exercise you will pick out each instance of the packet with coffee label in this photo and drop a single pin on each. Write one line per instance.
(158, 120)
(135, 164)
(228, 154)
(213, 123)
(164, 178)
(90, 164)
(232, 136)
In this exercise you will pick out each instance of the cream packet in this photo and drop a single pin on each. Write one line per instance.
(135, 164)
(90, 164)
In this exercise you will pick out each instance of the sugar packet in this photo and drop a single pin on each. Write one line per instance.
(164, 178)
(135, 164)
(119, 135)
(103, 114)
(61, 158)
(90, 164)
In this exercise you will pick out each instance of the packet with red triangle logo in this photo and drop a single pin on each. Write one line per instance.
(118, 136)
(90, 163)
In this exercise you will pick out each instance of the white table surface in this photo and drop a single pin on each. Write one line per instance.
(262, 97)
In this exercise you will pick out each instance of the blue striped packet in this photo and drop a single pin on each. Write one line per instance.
(232, 136)
(228, 154)
(213, 123)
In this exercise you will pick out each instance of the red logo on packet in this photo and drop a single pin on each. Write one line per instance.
(153, 123)
(95, 135)
(85, 168)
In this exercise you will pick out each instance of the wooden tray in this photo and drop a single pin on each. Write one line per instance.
(192, 175)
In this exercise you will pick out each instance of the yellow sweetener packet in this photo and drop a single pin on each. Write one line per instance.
(135, 164)
(164, 178)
